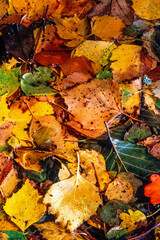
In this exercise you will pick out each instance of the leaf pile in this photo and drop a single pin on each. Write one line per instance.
(80, 119)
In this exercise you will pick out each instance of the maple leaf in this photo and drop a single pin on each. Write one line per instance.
(73, 201)
(91, 104)
(152, 189)
(131, 220)
(103, 27)
(22, 213)
(119, 189)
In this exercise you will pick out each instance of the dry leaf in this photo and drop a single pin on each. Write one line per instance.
(6, 225)
(4, 7)
(72, 201)
(6, 165)
(91, 104)
(155, 151)
(103, 27)
(5, 132)
(147, 9)
(132, 220)
(152, 189)
(25, 207)
(119, 189)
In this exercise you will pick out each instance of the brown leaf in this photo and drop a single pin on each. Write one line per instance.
(74, 78)
(6, 164)
(155, 151)
(92, 103)
(5, 132)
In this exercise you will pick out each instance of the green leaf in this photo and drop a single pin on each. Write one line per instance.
(15, 235)
(9, 81)
(37, 83)
(158, 104)
(104, 75)
(117, 233)
(149, 117)
(118, 132)
(135, 158)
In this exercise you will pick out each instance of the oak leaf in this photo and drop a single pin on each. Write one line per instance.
(25, 206)
(91, 104)
(152, 189)
(73, 201)
(103, 27)
(147, 9)
(132, 220)
(119, 189)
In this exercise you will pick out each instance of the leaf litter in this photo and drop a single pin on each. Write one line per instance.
(66, 68)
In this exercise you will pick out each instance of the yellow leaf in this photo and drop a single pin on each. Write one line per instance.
(72, 201)
(150, 99)
(4, 109)
(4, 7)
(126, 62)
(131, 220)
(52, 231)
(147, 9)
(6, 225)
(25, 207)
(96, 51)
(41, 109)
(107, 27)
(119, 189)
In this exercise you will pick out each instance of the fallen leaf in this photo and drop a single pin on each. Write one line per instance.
(98, 52)
(21, 212)
(6, 224)
(152, 189)
(92, 103)
(5, 132)
(11, 235)
(132, 220)
(103, 27)
(4, 8)
(6, 164)
(155, 151)
(149, 10)
(73, 201)
(119, 189)
(4, 106)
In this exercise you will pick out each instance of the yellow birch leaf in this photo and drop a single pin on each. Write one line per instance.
(131, 220)
(96, 51)
(4, 109)
(73, 201)
(147, 9)
(52, 231)
(107, 27)
(6, 225)
(119, 189)
(4, 7)
(41, 109)
(25, 206)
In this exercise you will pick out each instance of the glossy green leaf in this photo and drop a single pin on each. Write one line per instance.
(135, 158)
(9, 81)
(15, 235)
(38, 82)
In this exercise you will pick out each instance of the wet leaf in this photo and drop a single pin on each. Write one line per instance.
(73, 201)
(22, 213)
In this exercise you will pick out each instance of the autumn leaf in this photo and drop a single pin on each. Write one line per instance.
(4, 106)
(103, 27)
(131, 220)
(152, 189)
(149, 10)
(73, 201)
(91, 114)
(22, 213)
(11, 235)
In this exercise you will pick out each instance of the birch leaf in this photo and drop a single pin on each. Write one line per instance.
(25, 207)
(72, 202)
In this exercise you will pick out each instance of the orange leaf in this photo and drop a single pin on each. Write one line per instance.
(152, 190)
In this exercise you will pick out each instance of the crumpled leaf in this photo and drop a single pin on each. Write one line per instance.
(25, 207)
(152, 189)
(36, 83)
(11, 235)
(147, 9)
(150, 99)
(91, 104)
(130, 54)
(119, 189)
(110, 211)
(9, 81)
(155, 88)
(132, 220)
(73, 201)
(103, 27)
(155, 151)
(137, 133)
(135, 158)
(52, 231)
(97, 51)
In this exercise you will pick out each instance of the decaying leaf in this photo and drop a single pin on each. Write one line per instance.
(92, 103)
(25, 206)
(119, 189)
(132, 220)
(103, 27)
(73, 201)
(155, 151)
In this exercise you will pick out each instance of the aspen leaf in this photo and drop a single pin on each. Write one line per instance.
(72, 202)
(147, 9)
(25, 207)
(103, 27)
(132, 220)
(119, 189)
(92, 103)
